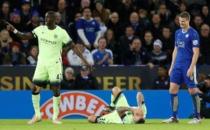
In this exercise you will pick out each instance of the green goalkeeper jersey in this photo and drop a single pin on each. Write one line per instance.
(50, 42)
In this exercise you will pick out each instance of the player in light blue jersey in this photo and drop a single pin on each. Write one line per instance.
(51, 40)
(120, 112)
(183, 67)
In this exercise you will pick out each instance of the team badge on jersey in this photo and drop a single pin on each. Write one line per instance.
(187, 35)
(93, 23)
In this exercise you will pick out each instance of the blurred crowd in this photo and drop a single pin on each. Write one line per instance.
(108, 32)
(119, 32)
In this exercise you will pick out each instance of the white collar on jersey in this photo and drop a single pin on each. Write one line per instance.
(185, 31)
(86, 19)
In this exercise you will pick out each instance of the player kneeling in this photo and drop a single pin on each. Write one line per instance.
(119, 111)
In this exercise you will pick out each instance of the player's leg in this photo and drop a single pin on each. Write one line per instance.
(55, 76)
(141, 103)
(175, 81)
(193, 90)
(39, 79)
(118, 99)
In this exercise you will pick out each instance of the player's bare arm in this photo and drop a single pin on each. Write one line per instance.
(196, 52)
(173, 59)
(79, 53)
(23, 36)
(123, 109)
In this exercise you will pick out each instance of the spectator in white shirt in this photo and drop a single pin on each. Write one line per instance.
(74, 60)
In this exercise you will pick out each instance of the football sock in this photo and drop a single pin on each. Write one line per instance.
(196, 103)
(36, 105)
(174, 104)
(56, 103)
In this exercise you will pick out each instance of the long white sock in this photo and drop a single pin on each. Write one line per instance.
(36, 104)
(56, 103)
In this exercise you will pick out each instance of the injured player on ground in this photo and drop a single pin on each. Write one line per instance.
(120, 112)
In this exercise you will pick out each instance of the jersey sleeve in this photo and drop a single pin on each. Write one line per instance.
(195, 39)
(79, 24)
(36, 31)
(66, 38)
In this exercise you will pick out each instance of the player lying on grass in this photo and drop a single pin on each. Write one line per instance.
(120, 112)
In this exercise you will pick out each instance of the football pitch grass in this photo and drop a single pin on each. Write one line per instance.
(84, 125)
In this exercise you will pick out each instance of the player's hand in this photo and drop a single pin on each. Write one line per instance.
(10, 27)
(190, 72)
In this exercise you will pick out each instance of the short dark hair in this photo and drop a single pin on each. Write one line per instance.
(83, 9)
(51, 12)
(185, 14)
(140, 121)
(102, 38)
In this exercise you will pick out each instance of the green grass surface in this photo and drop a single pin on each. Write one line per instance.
(84, 125)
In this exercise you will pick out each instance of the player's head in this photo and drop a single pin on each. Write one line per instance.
(138, 115)
(184, 19)
(50, 18)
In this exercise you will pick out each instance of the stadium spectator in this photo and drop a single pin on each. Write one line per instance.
(62, 9)
(205, 14)
(75, 60)
(166, 38)
(175, 24)
(88, 29)
(136, 55)
(5, 10)
(182, 6)
(143, 18)
(68, 81)
(101, 12)
(85, 80)
(34, 21)
(162, 81)
(33, 55)
(205, 46)
(116, 25)
(25, 47)
(197, 22)
(25, 14)
(148, 41)
(204, 93)
(101, 55)
(103, 27)
(15, 19)
(135, 24)
(72, 27)
(16, 56)
(156, 26)
(125, 40)
(157, 56)
(84, 4)
(124, 9)
(164, 13)
(5, 42)
(113, 45)
(59, 20)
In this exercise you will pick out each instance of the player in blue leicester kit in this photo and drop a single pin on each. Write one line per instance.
(183, 67)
